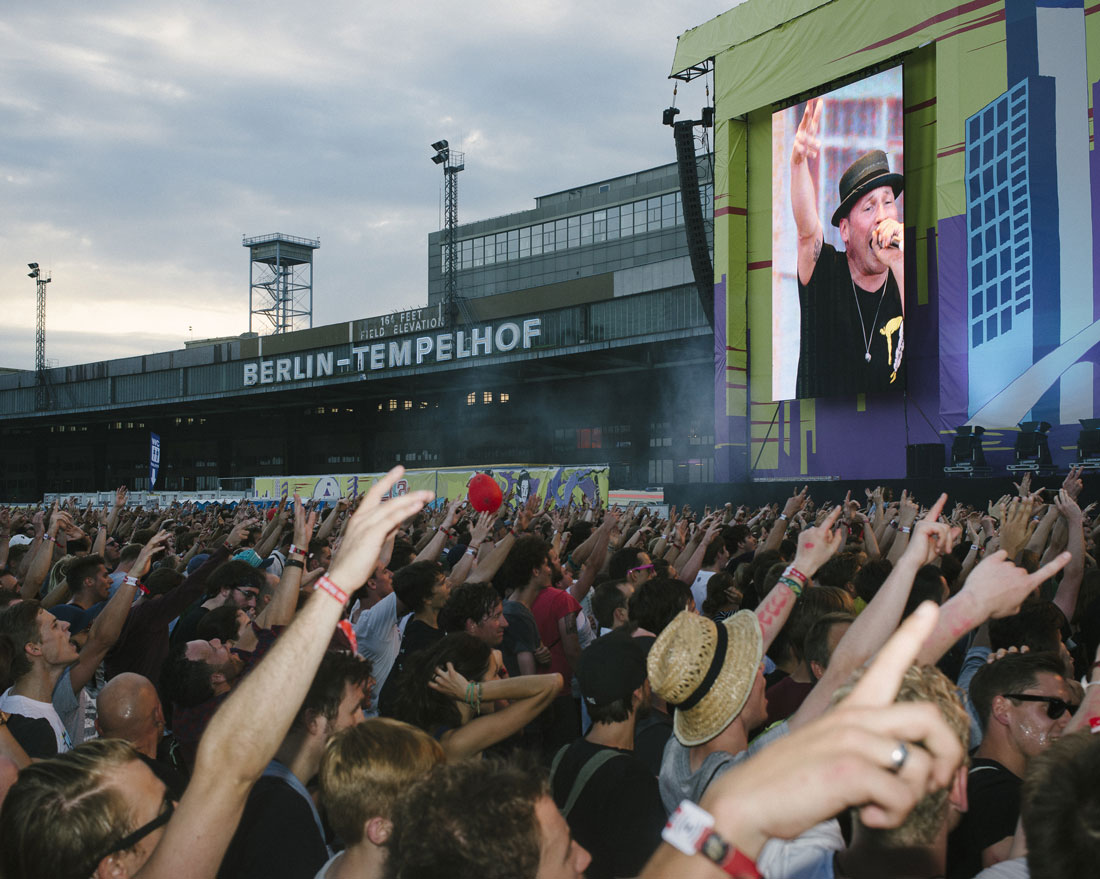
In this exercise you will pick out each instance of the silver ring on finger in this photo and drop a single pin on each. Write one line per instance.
(898, 757)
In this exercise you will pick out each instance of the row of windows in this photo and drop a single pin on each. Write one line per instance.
(487, 397)
(615, 436)
(999, 247)
(595, 227)
(666, 470)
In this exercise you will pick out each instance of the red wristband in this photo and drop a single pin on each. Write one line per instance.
(332, 589)
(296, 550)
(792, 571)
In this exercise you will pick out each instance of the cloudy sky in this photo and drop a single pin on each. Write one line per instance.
(140, 141)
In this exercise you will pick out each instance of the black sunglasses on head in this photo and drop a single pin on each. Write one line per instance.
(168, 807)
(1055, 707)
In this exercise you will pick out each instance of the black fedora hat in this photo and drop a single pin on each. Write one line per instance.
(869, 171)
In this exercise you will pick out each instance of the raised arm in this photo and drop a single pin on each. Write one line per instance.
(815, 546)
(261, 708)
(906, 517)
(101, 534)
(803, 195)
(280, 610)
(434, 548)
(329, 522)
(529, 696)
(43, 558)
(694, 564)
(872, 628)
(779, 530)
(994, 589)
(1074, 572)
(487, 568)
(120, 502)
(478, 533)
(108, 625)
(596, 559)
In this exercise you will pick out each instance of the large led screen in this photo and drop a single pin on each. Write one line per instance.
(838, 277)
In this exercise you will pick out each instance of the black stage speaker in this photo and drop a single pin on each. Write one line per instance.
(924, 459)
(683, 134)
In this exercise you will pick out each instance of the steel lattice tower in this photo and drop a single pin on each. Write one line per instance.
(452, 162)
(280, 281)
(41, 390)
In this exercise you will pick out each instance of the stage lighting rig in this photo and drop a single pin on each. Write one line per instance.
(1032, 449)
(967, 454)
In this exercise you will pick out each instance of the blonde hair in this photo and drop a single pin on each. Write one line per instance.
(922, 684)
(64, 811)
(366, 767)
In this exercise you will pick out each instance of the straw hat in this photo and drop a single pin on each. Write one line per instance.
(706, 670)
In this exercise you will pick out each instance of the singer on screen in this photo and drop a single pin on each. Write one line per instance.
(852, 336)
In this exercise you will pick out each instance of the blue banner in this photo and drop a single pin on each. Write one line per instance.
(154, 458)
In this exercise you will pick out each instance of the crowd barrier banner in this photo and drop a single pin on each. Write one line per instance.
(561, 483)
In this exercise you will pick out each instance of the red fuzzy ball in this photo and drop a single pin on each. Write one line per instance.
(484, 493)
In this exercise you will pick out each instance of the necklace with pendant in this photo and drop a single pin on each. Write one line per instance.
(867, 337)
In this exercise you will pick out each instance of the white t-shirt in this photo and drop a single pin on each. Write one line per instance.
(1016, 868)
(26, 707)
(378, 638)
(809, 856)
(699, 589)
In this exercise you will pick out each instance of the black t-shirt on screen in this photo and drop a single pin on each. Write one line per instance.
(834, 343)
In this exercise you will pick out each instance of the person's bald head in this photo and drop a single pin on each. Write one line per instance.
(128, 708)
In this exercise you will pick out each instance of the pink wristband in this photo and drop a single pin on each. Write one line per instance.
(332, 589)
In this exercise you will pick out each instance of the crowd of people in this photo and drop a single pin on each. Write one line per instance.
(388, 686)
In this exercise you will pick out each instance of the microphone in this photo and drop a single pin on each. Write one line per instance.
(896, 242)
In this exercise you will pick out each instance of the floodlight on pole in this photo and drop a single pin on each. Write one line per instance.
(452, 162)
(42, 395)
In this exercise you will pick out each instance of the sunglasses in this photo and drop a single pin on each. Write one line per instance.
(1055, 707)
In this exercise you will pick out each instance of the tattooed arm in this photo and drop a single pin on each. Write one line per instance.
(803, 196)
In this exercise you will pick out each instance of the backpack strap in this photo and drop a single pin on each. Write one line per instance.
(591, 767)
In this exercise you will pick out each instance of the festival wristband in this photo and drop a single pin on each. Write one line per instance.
(792, 571)
(904, 529)
(326, 585)
(793, 585)
(134, 581)
(1094, 724)
(296, 550)
(690, 829)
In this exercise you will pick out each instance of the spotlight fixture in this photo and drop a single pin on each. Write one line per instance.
(442, 151)
(1032, 448)
(1088, 444)
(967, 454)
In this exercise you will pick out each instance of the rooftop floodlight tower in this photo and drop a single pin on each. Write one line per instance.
(452, 162)
(41, 391)
(280, 282)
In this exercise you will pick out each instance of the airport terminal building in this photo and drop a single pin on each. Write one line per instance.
(579, 338)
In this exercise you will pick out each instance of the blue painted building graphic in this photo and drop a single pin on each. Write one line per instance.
(1029, 230)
